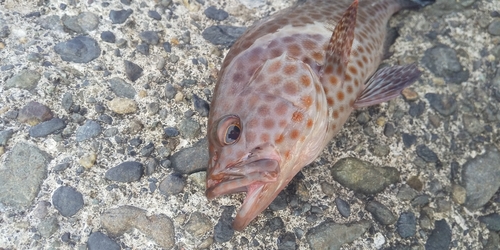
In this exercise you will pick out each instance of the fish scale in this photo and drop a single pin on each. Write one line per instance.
(287, 86)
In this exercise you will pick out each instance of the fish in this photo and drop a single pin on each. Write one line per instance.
(287, 86)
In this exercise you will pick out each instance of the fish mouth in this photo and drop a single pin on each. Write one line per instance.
(242, 177)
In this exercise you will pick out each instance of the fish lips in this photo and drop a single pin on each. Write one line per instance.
(242, 177)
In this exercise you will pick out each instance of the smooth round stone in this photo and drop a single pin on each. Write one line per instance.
(67, 200)
(81, 49)
(149, 37)
(216, 14)
(122, 105)
(26, 79)
(99, 241)
(172, 185)
(88, 130)
(108, 37)
(154, 14)
(125, 172)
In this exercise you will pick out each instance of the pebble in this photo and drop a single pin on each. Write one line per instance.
(170, 91)
(88, 130)
(330, 235)
(48, 226)
(167, 47)
(88, 160)
(472, 124)
(458, 194)
(34, 57)
(223, 230)
(143, 48)
(493, 242)
(108, 37)
(379, 150)
(98, 241)
(407, 225)
(154, 14)
(171, 132)
(198, 225)
(81, 49)
(389, 129)
(362, 176)
(158, 227)
(119, 16)
(481, 178)
(67, 200)
(275, 224)
(128, 171)
(406, 193)
(122, 105)
(172, 185)
(381, 213)
(494, 28)
(440, 237)
(149, 37)
(216, 14)
(415, 183)
(343, 207)
(445, 105)
(51, 22)
(22, 173)
(46, 128)
(222, 34)
(121, 88)
(5, 135)
(132, 70)
(410, 95)
(492, 221)
(287, 241)
(34, 113)
(363, 118)
(189, 128)
(81, 24)
(67, 101)
(421, 200)
(416, 109)
(198, 179)
(201, 106)
(280, 202)
(409, 139)
(26, 79)
(443, 61)
(427, 154)
(191, 159)
(42, 209)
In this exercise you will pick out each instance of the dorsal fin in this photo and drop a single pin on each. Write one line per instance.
(339, 46)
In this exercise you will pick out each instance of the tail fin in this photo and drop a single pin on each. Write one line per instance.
(415, 4)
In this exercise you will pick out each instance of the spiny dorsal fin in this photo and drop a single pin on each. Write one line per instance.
(339, 47)
(387, 83)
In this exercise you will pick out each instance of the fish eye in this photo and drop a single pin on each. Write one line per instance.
(229, 130)
(232, 134)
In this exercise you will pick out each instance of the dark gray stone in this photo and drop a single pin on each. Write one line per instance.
(170, 91)
(132, 70)
(81, 49)
(21, 175)
(492, 221)
(440, 237)
(481, 178)
(67, 101)
(287, 241)
(88, 130)
(154, 14)
(494, 28)
(427, 154)
(5, 135)
(100, 241)
(108, 37)
(215, 14)
(48, 226)
(171, 132)
(81, 24)
(67, 200)
(143, 48)
(119, 16)
(128, 171)
(121, 88)
(223, 231)
(34, 113)
(223, 34)
(167, 47)
(445, 105)
(149, 37)
(47, 127)
(409, 139)
(201, 106)
(443, 61)
(172, 185)
(380, 213)
(343, 207)
(192, 159)
(189, 128)
(407, 225)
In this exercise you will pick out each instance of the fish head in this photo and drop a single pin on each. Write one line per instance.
(258, 136)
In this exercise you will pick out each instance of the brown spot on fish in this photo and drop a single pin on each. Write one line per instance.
(264, 137)
(317, 56)
(254, 122)
(279, 139)
(333, 80)
(335, 114)
(274, 67)
(263, 110)
(294, 135)
(305, 80)
(268, 123)
(328, 69)
(275, 80)
(290, 88)
(330, 101)
(283, 123)
(294, 50)
(309, 45)
(347, 78)
(349, 89)
(353, 70)
(250, 137)
(310, 123)
(297, 116)
(281, 108)
(290, 69)
(306, 101)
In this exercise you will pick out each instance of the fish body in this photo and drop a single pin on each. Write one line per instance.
(285, 89)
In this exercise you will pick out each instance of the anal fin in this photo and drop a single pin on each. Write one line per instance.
(386, 84)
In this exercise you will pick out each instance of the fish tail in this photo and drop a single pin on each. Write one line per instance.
(414, 4)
